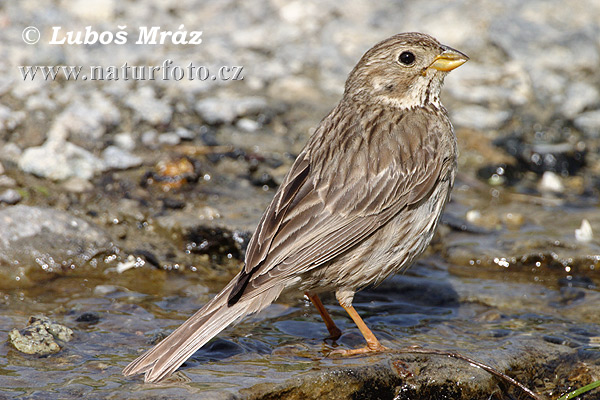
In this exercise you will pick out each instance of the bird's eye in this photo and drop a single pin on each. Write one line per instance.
(406, 58)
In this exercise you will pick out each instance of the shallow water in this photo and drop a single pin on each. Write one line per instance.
(540, 300)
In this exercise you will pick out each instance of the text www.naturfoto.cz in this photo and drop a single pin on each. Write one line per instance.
(166, 71)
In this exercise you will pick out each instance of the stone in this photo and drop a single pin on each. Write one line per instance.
(148, 107)
(578, 97)
(480, 118)
(589, 123)
(40, 243)
(216, 111)
(169, 138)
(125, 141)
(58, 160)
(39, 337)
(10, 119)
(117, 158)
(551, 182)
(10, 197)
(86, 119)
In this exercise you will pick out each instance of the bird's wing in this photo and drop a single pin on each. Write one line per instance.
(382, 164)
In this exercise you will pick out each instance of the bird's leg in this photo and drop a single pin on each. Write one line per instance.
(334, 331)
(373, 345)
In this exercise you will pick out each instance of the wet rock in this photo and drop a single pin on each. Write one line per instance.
(148, 257)
(224, 111)
(39, 243)
(118, 158)
(185, 219)
(262, 177)
(172, 203)
(500, 174)
(58, 160)
(40, 337)
(577, 281)
(461, 225)
(394, 377)
(88, 318)
(10, 197)
(563, 158)
(513, 220)
(217, 242)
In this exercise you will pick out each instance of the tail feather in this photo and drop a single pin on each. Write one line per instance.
(163, 359)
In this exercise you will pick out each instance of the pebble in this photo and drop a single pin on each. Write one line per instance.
(10, 152)
(150, 139)
(185, 134)
(86, 119)
(513, 220)
(117, 158)
(7, 181)
(10, 197)
(589, 123)
(104, 290)
(486, 220)
(57, 160)
(95, 11)
(584, 234)
(247, 125)
(216, 111)
(149, 108)
(578, 97)
(10, 119)
(39, 336)
(125, 141)
(480, 118)
(551, 182)
(169, 139)
(77, 185)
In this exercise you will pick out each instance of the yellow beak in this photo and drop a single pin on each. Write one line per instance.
(449, 59)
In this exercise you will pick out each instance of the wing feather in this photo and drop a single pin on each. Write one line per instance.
(384, 164)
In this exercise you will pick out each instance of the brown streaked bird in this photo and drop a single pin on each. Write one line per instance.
(361, 201)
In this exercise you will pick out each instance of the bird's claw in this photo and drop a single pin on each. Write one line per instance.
(362, 350)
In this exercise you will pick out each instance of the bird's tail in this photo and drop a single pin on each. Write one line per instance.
(164, 358)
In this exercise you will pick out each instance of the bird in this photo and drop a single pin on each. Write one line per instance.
(360, 202)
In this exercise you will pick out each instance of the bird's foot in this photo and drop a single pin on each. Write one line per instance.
(372, 348)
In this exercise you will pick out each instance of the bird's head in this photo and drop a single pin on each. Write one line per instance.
(404, 71)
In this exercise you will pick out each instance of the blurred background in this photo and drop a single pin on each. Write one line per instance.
(125, 204)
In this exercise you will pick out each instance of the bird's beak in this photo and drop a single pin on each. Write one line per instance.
(449, 59)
